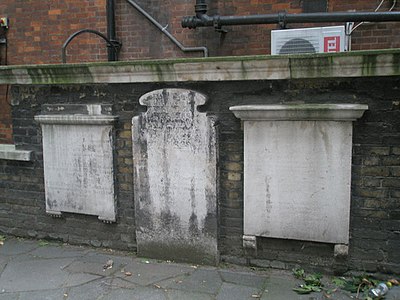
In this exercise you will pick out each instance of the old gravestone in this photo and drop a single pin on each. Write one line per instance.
(175, 160)
(78, 159)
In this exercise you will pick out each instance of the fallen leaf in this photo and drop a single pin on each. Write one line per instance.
(43, 243)
(394, 281)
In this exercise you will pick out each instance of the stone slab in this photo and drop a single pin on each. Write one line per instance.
(297, 170)
(231, 291)
(14, 247)
(175, 161)
(89, 291)
(57, 294)
(9, 152)
(78, 161)
(23, 276)
(201, 281)
(147, 274)
(140, 293)
(299, 187)
(183, 295)
(246, 279)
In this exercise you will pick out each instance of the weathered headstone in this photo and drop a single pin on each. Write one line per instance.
(175, 165)
(78, 159)
(297, 171)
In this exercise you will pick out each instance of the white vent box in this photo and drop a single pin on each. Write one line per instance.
(308, 40)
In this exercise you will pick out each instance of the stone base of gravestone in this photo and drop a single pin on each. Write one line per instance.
(78, 159)
(175, 161)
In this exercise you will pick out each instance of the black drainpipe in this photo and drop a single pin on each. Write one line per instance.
(111, 35)
(201, 19)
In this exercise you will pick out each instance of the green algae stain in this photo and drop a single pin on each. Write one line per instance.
(58, 75)
(396, 64)
(368, 65)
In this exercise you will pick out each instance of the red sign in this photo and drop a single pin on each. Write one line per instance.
(332, 44)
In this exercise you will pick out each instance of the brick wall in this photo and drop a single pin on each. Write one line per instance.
(5, 116)
(375, 214)
(38, 29)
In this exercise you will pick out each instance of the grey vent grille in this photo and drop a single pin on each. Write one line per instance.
(297, 46)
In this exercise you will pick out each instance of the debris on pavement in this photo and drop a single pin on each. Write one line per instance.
(108, 265)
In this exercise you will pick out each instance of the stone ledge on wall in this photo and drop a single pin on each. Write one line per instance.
(265, 67)
(9, 152)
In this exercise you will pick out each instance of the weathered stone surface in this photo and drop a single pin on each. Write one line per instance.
(237, 292)
(23, 275)
(78, 161)
(175, 160)
(297, 167)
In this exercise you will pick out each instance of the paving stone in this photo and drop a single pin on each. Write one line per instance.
(184, 295)
(57, 294)
(231, 291)
(3, 262)
(15, 247)
(282, 288)
(58, 251)
(140, 293)
(37, 274)
(9, 296)
(102, 257)
(94, 268)
(75, 279)
(202, 281)
(241, 278)
(145, 274)
(122, 283)
(26, 277)
(393, 294)
(90, 291)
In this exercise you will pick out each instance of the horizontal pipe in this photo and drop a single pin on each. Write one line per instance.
(164, 30)
(218, 21)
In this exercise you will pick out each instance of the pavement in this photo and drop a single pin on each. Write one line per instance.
(41, 270)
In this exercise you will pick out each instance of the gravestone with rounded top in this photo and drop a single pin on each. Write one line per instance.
(175, 159)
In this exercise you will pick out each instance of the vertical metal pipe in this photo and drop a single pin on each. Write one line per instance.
(200, 8)
(112, 55)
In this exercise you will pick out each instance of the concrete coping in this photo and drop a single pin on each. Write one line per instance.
(76, 119)
(9, 152)
(263, 67)
(291, 112)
